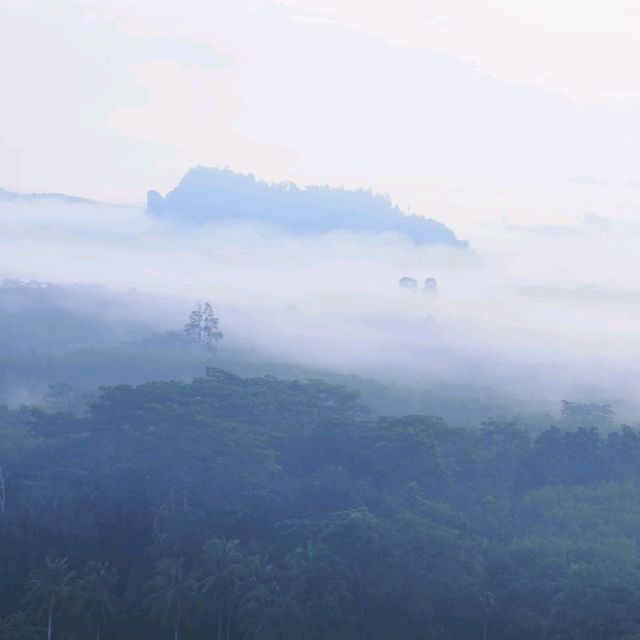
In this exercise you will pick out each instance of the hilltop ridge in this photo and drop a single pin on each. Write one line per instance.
(206, 194)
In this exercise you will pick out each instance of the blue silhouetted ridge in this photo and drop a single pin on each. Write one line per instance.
(206, 195)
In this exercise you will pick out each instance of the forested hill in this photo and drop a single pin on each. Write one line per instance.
(206, 194)
(266, 509)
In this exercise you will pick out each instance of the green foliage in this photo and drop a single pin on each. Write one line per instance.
(172, 594)
(50, 588)
(18, 626)
(261, 509)
(97, 595)
(576, 414)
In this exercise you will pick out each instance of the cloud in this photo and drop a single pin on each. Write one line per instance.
(584, 293)
(249, 85)
(502, 39)
(546, 230)
(587, 181)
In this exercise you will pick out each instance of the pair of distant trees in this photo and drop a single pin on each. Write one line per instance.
(430, 284)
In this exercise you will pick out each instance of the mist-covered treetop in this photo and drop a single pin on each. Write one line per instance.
(206, 194)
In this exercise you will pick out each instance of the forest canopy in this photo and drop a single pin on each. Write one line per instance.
(232, 507)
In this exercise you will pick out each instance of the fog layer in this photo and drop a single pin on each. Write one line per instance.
(531, 313)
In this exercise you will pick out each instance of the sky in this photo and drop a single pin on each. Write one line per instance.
(471, 112)
(513, 122)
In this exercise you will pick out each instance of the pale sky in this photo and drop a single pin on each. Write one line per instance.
(461, 109)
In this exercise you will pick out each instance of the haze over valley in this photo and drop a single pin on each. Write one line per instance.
(319, 320)
(523, 310)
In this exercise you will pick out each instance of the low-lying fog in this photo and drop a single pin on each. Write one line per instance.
(538, 313)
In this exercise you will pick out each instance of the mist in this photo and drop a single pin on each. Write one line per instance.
(530, 314)
(318, 320)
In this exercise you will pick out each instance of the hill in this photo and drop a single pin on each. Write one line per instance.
(206, 194)
(13, 196)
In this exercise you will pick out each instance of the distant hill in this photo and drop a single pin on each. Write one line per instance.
(41, 317)
(12, 196)
(206, 194)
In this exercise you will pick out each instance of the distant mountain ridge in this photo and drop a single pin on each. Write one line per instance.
(13, 196)
(206, 194)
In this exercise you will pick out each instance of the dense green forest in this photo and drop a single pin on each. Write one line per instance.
(257, 508)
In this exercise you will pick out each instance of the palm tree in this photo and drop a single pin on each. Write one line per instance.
(97, 595)
(258, 594)
(223, 562)
(172, 595)
(269, 611)
(269, 608)
(50, 587)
